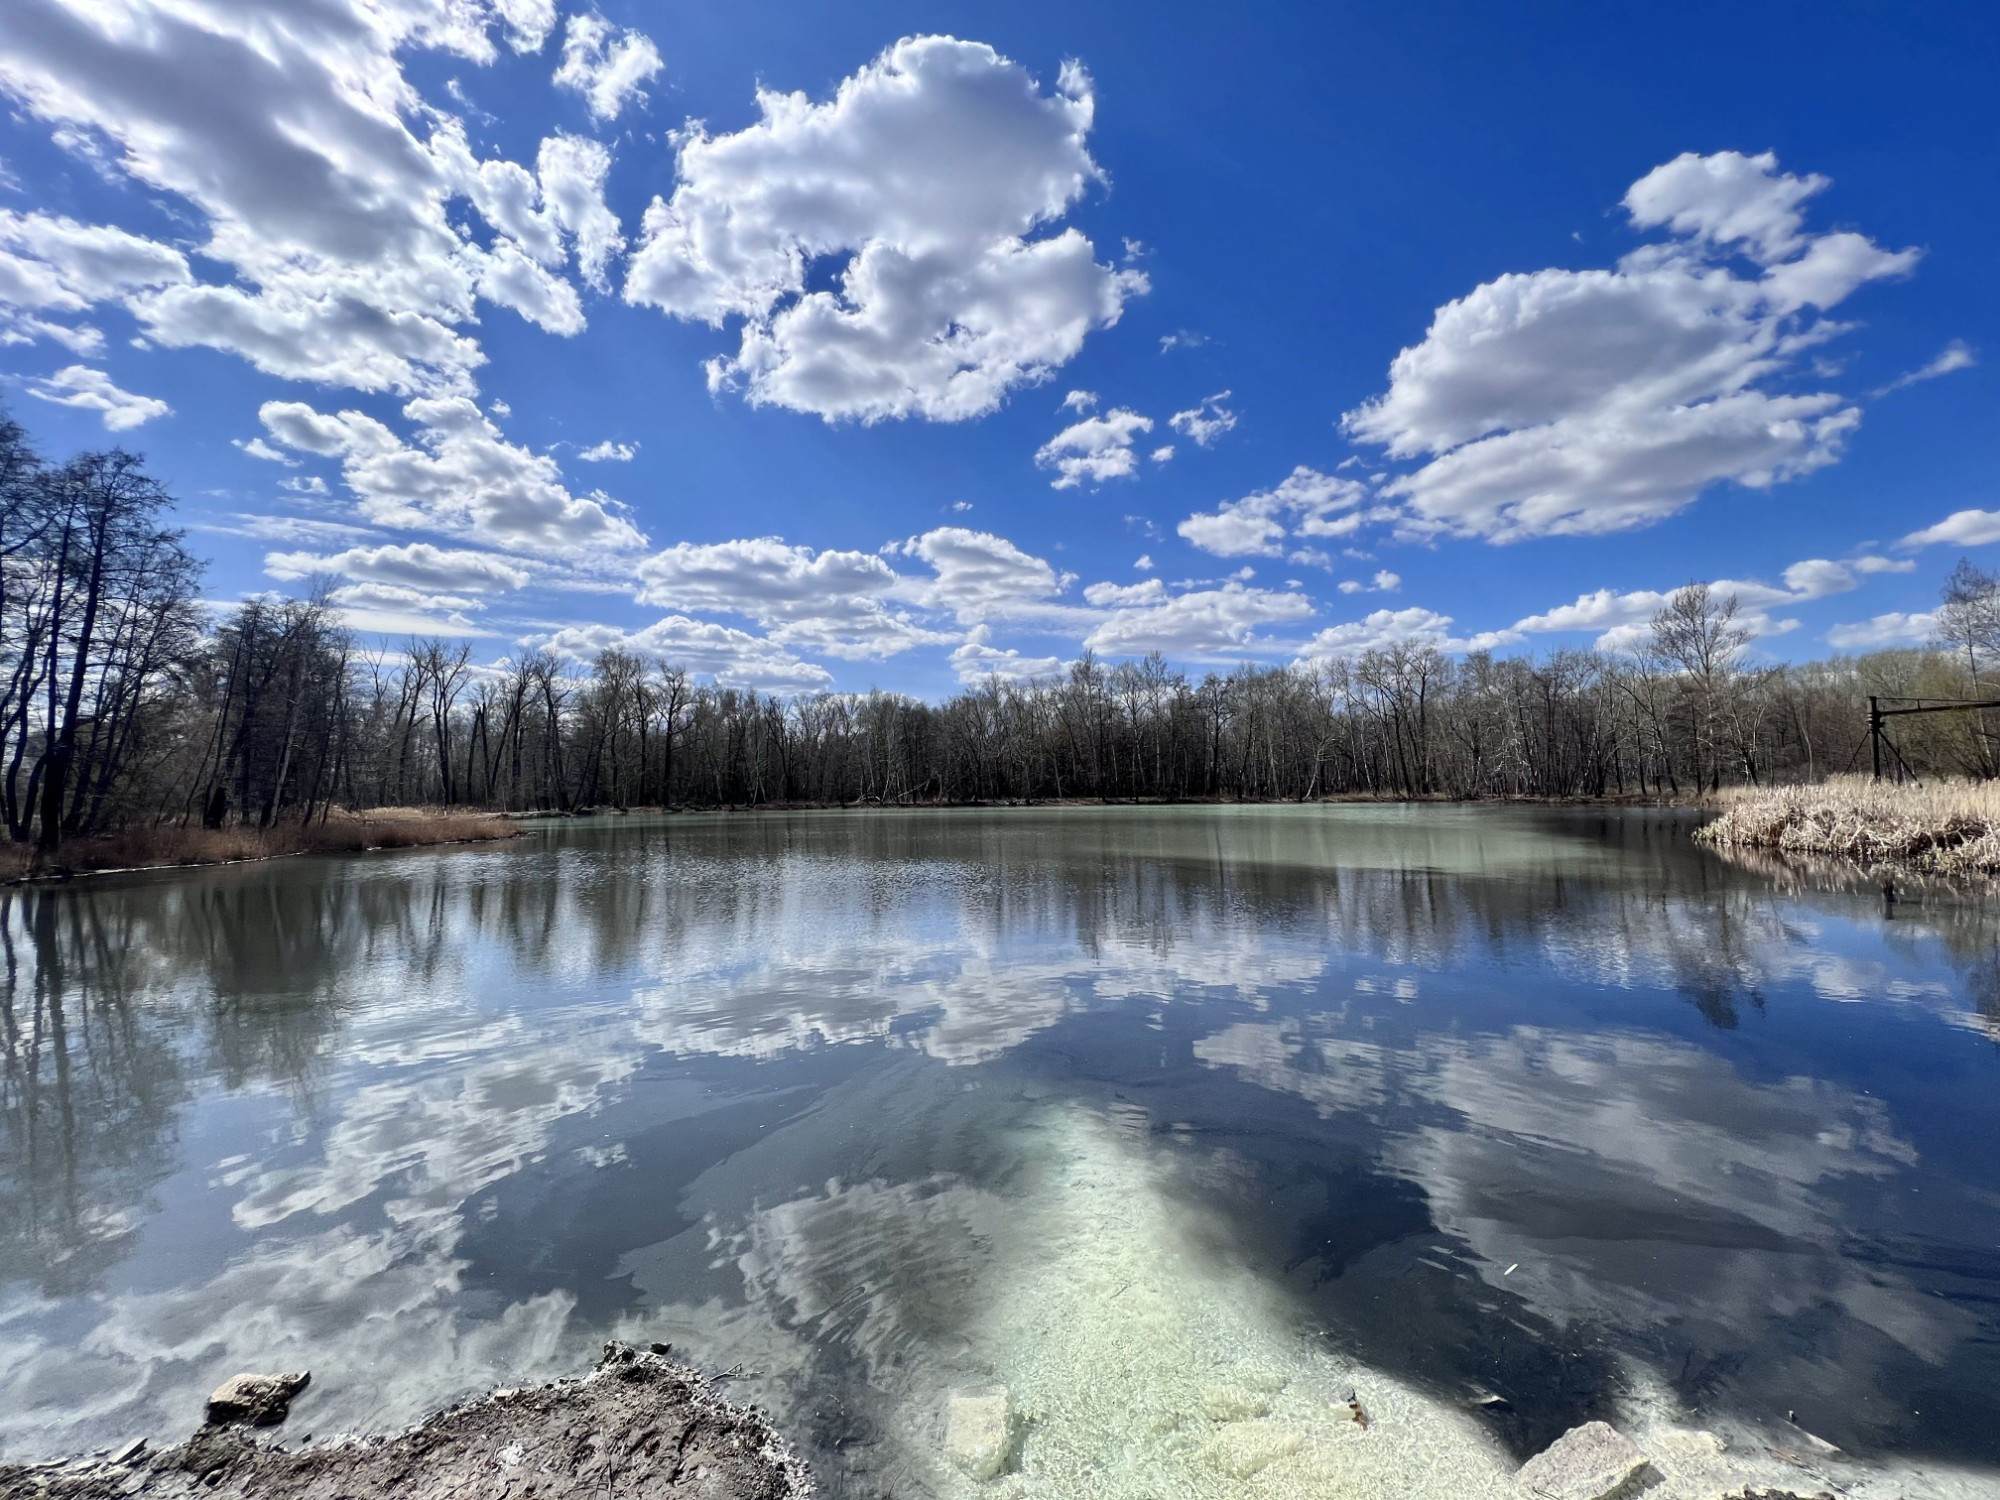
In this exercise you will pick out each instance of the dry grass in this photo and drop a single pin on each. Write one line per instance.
(1943, 827)
(342, 833)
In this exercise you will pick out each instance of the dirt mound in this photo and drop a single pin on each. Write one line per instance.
(638, 1426)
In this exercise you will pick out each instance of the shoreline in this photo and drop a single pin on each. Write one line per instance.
(136, 851)
(638, 1425)
(1944, 828)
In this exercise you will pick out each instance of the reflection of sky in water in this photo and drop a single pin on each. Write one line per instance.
(843, 1101)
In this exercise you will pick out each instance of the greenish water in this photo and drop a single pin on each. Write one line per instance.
(1114, 1108)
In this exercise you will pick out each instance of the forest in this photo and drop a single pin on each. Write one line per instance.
(126, 702)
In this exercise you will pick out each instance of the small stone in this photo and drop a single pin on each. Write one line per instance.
(1591, 1462)
(259, 1400)
(1231, 1403)
(979, 1432)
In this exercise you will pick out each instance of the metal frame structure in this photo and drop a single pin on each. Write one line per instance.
(1877, 738)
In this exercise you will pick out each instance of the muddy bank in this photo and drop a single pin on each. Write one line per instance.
(639, 1425)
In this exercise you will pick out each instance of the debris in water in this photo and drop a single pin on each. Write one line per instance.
(1511, 1269)
(1354, 1410)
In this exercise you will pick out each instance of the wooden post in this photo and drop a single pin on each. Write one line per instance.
(1875, 733)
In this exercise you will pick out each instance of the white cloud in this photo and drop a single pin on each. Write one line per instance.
(53, 264)
(1144, 563)
(1893, 629)
(1963, 528)
(292, 136)
(976, 661)
(1094, 450)
(256, 447)
(1727, 199)
(298, 530)
(1079, 401)
(1590, 401)
(459, 477)
(416, 565)
(529, 22)
(1206, 421)
(732, 657)
(927, 171)
(608, 452)
(609, 65)
(1201, 624)
(1955, 356)
(93, 390)
(1384, 582)
(978, 576)
(1625, 618)
(1306, 503)
(1386, 628)
(572, 170)
(1182, 338)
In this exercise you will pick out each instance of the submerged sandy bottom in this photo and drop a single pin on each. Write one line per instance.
(1137, 1357)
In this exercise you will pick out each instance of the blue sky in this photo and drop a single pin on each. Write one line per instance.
(985, 334)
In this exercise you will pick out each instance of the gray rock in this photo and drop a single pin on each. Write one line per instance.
(1591, 1462)
(979, 1432)
(259, 1400)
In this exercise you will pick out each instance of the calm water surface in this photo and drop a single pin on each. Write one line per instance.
(1549, 1106)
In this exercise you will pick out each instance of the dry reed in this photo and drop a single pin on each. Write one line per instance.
(341, 833)
(1942, 827)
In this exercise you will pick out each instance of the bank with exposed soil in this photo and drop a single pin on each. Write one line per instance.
(638, 1426)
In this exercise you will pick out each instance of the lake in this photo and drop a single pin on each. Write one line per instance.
(1499, 1118)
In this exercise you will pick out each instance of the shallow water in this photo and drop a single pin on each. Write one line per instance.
(1177, 1124)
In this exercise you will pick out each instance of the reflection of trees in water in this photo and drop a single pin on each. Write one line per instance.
(119, 994)
(87, 1098)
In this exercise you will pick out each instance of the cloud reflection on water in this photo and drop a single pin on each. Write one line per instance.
(254, 1117)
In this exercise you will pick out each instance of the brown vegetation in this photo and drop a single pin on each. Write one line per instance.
(339, 833)
(1939, 827)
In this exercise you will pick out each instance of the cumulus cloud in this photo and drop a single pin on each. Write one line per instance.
(1384, 629)
(1962, 528)
(291, 137)
(608, 452)
(1206, 421)
(1955, 356)
(1625, 619)
(1578, 402)
(1094, 450)
(1384, 582)
(460, 476)
(53, 264)
(609, 65)
(1892, 629)
(833, 602)
(733, 658)
(978, 661)
(979, 577)
(415, 565)
(915, 191)
(93, 390)
(1306, 503)
(1203, 624)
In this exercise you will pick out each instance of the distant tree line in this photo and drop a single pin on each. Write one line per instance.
(123, 701)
